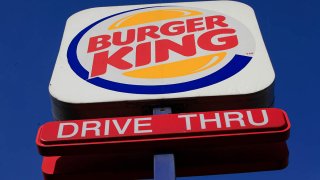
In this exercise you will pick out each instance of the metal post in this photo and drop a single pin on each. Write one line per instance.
(163, 164)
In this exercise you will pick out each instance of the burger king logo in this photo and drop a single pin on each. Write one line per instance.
(160, 50)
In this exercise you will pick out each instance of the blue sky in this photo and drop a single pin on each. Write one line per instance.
(30, 36)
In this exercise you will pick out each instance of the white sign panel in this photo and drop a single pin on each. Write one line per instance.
(161, 51)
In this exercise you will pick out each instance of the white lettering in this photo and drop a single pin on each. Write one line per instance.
(124, 128)
(137, 125)
(265, 118)
(239, 118)
(203, 121)
(187, 117)
(106, 127)
(85, 128)
(61, 128)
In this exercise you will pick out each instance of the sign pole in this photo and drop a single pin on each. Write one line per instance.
(164, 167)
(163, 164)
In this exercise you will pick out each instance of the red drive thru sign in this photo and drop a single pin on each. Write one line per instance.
(214, 142)
(75, 137)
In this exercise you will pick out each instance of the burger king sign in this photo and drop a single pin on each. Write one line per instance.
(161, 52)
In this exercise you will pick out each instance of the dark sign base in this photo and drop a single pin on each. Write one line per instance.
(195, 162)
(67, 111)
